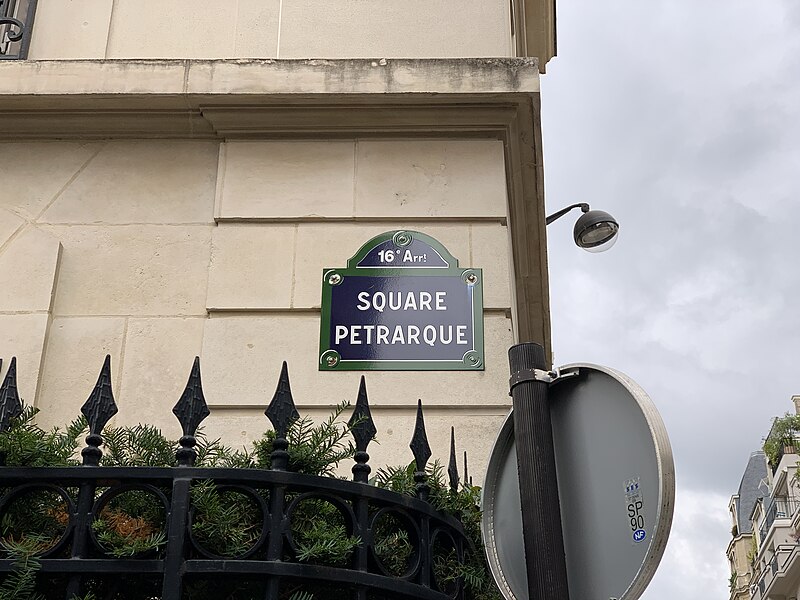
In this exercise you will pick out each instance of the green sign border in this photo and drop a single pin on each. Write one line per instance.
(474, 359)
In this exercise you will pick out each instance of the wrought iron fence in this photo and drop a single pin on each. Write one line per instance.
(85, 491)
(16, 23)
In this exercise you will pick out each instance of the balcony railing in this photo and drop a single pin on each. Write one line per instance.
(79, 558)
(765, 580)
(758, 584)
(16, 23)
(779, 508)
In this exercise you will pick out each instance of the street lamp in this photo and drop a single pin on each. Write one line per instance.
(595, 230)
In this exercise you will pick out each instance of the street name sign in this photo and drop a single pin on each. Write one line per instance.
(616, 487)
(402, 303)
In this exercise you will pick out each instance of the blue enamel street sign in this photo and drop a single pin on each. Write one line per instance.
(402, 303)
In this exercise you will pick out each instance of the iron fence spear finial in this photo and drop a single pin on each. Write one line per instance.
(363, 429)
(98, 409)
(281, 412)
(452, 467)
(191, 409)
(10, 404)
(422, 452)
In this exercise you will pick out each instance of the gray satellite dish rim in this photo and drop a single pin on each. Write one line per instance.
(666, 477)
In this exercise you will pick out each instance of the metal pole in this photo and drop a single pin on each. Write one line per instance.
(536, 465)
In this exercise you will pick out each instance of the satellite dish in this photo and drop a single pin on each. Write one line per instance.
(616, 486)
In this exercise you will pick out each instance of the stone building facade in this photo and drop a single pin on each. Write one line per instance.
(175, 176)
(753, 487)
(764, 553)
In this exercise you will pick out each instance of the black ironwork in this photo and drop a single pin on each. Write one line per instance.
(281, 412)
(557, 215)
(272, 560)
(363, 428)
(467, 478)
(191, 410)
(10, 404)
(778, 508)
(16, 23)
(98, 409)
(422, 452)
(452, 467)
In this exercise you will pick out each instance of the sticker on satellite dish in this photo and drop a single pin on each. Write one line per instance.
(634, 504)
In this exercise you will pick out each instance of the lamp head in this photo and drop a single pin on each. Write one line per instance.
(596, 231)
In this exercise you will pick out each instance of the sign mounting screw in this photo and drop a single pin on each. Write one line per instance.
(402, 238)
(335, 279)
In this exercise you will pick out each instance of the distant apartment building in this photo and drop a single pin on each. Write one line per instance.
(752, 489)
(764, 553)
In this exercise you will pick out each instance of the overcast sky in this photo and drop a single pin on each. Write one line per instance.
(682, 119)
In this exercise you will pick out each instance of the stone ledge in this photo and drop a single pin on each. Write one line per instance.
(244, 98)
(248, 77)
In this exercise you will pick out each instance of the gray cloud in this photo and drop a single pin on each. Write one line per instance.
(682, 120)
(693, 566)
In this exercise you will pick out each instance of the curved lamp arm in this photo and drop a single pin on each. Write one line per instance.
(557, 215)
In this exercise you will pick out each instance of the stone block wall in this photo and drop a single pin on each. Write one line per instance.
(155, 251)
(81, 29)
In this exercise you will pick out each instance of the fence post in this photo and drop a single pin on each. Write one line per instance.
(281, 412)
(363, 429)
(422, 452)
(98, 409)
(190, 410)
(172, 584)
